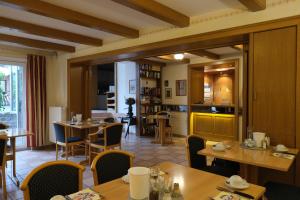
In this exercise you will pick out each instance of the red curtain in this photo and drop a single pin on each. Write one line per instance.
(36, 100)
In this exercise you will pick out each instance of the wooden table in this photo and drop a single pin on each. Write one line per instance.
(81, 126)
(12, 134)
(162, 122)
(250, 159)
(194, 184)
(85, 125)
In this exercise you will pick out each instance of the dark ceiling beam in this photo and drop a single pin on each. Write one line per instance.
(254, 5)
(36, 43)
(49, 32)
(71, 16)
(171, 58)
(204, 53)
(157, 10)
(147, 61)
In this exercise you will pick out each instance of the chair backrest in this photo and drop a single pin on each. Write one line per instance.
(3, 141)
(3, 126)
(110, 165)
(113, 134)
(59, 132)
(194, 144)
(53, 178)
(109, 120)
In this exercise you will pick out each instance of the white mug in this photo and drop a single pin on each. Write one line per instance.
(78, 118)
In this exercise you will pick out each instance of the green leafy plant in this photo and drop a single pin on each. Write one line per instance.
(2, 75)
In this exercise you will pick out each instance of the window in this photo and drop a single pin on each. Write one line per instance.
(13, 97)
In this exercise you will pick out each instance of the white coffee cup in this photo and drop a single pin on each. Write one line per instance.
(219, 146)
(236, 180)
(139, 182)
(281, 147)
(258, 137)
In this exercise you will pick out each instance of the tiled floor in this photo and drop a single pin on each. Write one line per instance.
(146, 154)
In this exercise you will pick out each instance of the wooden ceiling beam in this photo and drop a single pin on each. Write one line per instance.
(49, 32)
(71, 16)
(36, 43)
(172, 59)
(157, 10)
(147, 61)
(254, 5)
(204, 53)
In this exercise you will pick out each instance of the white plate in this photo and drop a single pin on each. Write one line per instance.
(58, 197)
(217, 149)
(125, 178)
(242, 186)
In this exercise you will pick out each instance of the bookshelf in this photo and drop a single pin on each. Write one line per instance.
(149, 96)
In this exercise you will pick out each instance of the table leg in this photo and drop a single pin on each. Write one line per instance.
(249, 172)
(14, 177)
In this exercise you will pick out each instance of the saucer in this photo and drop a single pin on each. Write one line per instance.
(218, 148)
(125, 178)
(241, 186)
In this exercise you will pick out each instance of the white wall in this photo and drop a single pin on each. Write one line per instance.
(171, 73)
(125, 71)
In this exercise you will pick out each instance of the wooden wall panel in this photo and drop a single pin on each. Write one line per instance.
(272, 91)
(274, 82)
(76, 90)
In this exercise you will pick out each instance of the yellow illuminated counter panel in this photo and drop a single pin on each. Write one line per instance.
(213, 126)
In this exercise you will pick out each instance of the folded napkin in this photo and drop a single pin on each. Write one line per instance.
(86, 194)
(284, 155)
(229, 196)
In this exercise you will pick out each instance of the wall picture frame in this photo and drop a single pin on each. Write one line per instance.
(168, 93)
(132, 86)
(180, 87)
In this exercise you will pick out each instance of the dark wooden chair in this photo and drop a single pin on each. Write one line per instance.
(281, 191)
(110, 165)
(3, 142)
(53, 178)
(67, 142)
(194, 144)
(112, 134)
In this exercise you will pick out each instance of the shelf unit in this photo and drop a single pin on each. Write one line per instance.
(111, 101)
(149, 96)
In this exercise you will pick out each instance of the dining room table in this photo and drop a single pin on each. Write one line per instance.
(251, 159)
(86, 126)
(162, 126)
(13, 134)
(194, 184)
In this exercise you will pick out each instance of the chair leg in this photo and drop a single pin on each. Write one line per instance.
(56, 148)
(4, 183)
(67, 152)
(90, 154)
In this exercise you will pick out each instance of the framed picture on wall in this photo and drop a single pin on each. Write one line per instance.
(180, 87)
(168, 93)
(132, 86)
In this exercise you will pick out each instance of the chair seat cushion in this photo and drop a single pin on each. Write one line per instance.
(74, 139)
(280, 191)
(98, 142)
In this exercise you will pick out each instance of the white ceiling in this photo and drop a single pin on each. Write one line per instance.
(114, 12)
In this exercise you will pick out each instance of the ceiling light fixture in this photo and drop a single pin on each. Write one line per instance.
(179, 56)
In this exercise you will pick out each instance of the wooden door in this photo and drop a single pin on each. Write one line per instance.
(274, 84)
(272, 90)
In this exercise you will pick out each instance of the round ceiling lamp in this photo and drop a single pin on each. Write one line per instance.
(179, 56)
